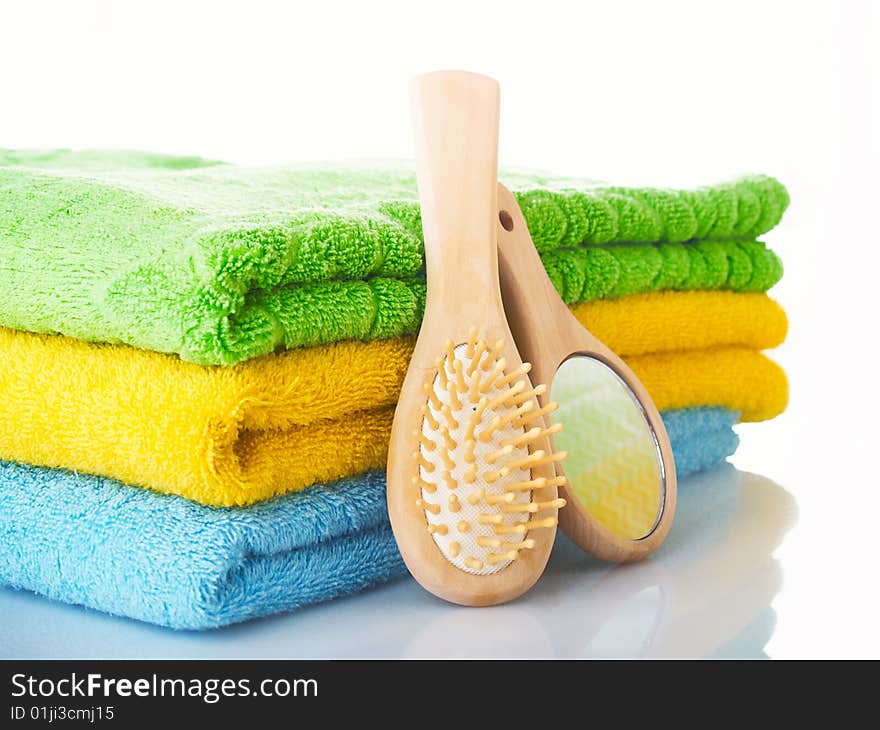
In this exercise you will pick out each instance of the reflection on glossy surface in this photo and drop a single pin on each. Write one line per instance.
(706, 592)
(715, 573)
(613, 464)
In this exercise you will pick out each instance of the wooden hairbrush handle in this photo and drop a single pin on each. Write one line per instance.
(456, 117)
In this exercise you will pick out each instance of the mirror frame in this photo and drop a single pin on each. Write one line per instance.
(638, 405)
(547, 334)
(586, 530)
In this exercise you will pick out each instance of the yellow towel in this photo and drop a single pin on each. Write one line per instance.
(236, 435)
(695, 320)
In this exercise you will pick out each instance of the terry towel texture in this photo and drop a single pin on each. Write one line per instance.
(220, 263)
(236, 435)
(170, 561)
(273, 312)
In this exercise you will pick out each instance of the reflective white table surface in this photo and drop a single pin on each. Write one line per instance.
(707, 593)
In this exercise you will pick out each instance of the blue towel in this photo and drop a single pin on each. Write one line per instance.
(701, 437)
(128, 551)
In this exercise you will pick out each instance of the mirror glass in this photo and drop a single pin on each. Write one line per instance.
(614, 465)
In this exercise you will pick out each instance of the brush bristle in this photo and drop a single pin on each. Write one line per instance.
(479, 426)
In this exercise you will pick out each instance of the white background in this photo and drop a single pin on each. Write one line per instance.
(668, 93)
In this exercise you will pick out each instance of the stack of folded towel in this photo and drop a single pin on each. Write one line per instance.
(199, 362)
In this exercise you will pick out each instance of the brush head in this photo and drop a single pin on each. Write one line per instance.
(475, 458)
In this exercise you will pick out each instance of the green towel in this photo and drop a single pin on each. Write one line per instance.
(220, 263)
